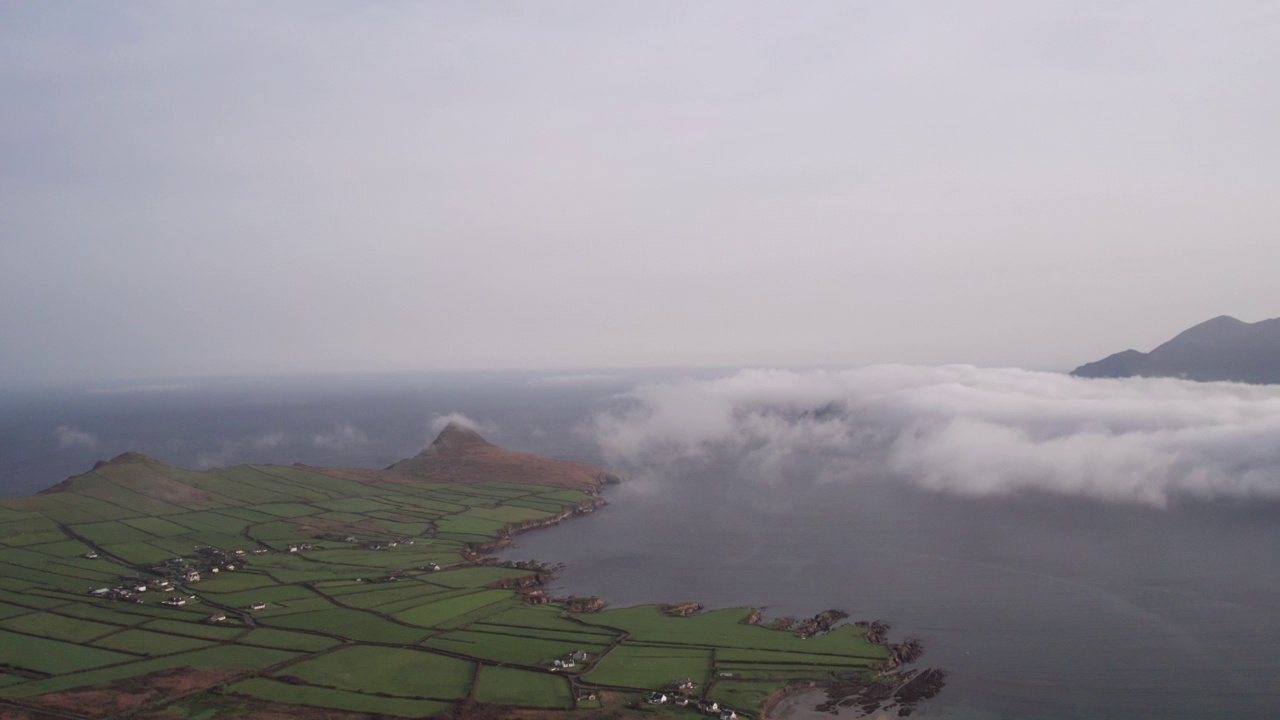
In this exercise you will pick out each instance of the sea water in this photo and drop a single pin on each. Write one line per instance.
(1038, 607)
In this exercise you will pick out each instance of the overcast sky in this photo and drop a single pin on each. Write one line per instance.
(257, 188)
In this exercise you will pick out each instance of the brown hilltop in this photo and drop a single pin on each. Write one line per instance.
(144, 476)
(461, 455)
(458, 455)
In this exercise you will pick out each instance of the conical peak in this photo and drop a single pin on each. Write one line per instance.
(455, 434)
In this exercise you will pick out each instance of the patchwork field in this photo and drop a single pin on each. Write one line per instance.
(345, 590)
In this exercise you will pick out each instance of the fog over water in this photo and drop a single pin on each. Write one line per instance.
(964, 430)
(1064, 548)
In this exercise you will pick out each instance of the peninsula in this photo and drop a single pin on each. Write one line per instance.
(142, 590)
(1221, 349)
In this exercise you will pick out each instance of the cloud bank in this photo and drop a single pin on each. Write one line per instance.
(69, 436)
(963, 430)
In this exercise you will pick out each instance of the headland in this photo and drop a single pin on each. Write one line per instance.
(143, 590)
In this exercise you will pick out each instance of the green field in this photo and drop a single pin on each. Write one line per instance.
(328, 698)
(650, 667)
(145, 642)
(353, 619)
(392, 671)
(510, 686)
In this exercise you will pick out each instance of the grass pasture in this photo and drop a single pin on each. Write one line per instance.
(531, 652)
(393, 671)
(648, 667)
(549, 617)
(476, 577)
(194, 629)
(512, 686)
(145, 642)
(111, 532)
(155, 526)
(468, 527)
(351, 624)
(286, 640)
(58, 627)
(53, 656)
(433, 614)
(380, 594)
(290, 694)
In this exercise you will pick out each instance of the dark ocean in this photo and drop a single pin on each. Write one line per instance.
(1038, 607)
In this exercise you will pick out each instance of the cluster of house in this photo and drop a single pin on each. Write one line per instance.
(210, 560)
(128, 588)
(216, 559)
(300, 547)
(392, 576)
(570, 660)
(704, 706)
(116, 593)
(678, 695)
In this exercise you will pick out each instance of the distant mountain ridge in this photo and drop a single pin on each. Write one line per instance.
(1223, 348)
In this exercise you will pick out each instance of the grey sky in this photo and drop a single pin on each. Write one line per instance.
(226, 188)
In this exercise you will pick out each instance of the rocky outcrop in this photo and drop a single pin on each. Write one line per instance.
(820, 623)
(680, 609)
(888, 692)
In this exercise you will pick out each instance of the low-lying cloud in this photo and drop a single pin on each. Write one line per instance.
(440, 421)
(963, 430)
(239, 450)
(343, 437)
(69, 436)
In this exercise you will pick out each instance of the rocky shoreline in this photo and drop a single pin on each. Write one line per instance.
(890, 691)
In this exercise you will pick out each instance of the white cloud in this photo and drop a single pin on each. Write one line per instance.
(439, 421)
(69, 436)
(964, 430)
(240, 450)
(343, 436)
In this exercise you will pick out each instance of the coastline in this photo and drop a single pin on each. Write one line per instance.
(766, 712)
(900, 653)
(140, 473)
